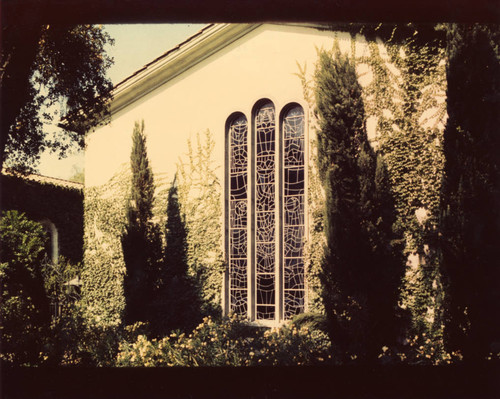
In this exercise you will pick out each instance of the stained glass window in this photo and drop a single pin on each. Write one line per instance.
(238, 215)
(270, 232)
(265, 212)
(293, 212)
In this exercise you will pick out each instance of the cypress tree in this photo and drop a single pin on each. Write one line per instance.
(177, 306)
(141, 241)
(470, 223)
(359, 292)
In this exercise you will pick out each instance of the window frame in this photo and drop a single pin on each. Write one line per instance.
(280, 112)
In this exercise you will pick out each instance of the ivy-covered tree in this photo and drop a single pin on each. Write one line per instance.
(361, 267)
(470, 224)
(177, 306)
(141, 242)
(42, 66)
(405, 100)
(24, 306)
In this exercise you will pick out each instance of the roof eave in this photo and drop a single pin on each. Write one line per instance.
(188, 54)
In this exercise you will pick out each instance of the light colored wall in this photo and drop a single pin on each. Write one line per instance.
(261, 64)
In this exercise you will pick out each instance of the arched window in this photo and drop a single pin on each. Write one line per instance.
(293, 210)
(238, 215)
(265, 212)
(265, 203)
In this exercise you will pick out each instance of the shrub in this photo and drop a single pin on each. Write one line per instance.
(361, 244)
(24, 307)
(73, 341)
(313, 321)
(230, 342)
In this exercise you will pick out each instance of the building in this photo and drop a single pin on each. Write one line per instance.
(56, 203)
(248, 85)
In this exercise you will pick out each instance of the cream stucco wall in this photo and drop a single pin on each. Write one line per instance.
(261, 64)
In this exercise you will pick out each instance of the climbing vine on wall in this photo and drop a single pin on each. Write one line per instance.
(200, 196)
(42, 200)
(406, 99)
(105, 218)
(315, 204)
(402, 71)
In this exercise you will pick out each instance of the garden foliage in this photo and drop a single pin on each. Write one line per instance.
(406, 100)
(176, 304)
(24, 306)
(200, 199)
(141, 241)
(470, 222)
(362, 265)
(230, 342)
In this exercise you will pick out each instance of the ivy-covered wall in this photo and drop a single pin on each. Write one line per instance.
(39, 200)
(200, 199)
(104, 267)
(402, 72)
(406, 100)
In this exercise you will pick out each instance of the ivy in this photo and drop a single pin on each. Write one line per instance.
(200, 196)
(44, 200)
(406, 97)
(315, 241)
(105, 219)
(404, 91)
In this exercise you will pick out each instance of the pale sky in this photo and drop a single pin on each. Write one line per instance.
(135, 46)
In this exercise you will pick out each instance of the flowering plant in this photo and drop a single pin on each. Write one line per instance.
(229, 342)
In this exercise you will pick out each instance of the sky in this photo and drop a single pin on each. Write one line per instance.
(135, 46)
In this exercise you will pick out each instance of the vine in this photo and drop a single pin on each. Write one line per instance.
(105, 218)
(315, 242)
(406, 97)
(404, 91)
(200, 196)
(61, 204)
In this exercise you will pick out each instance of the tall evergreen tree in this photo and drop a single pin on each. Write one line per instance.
(177, 305)
(471, 196)
(359, 276)
(141, 242)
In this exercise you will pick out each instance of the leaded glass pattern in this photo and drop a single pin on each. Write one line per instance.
(238, 216)
(265, 212)
(293, 212)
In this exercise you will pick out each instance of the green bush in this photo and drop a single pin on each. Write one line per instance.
(73, 341)
(230, 342)
(24, 306)
(313, 321)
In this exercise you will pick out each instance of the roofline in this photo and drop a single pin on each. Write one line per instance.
(55, 181)
(187, 54)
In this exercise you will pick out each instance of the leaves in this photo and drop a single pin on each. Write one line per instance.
(24, 307)
(51, 66)
(200, 195)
